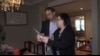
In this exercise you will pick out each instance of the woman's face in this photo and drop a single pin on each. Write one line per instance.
(60, 22)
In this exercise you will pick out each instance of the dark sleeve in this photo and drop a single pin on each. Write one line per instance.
(65, 42)
(42, 28)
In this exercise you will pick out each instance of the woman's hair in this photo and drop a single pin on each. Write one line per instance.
(66, 18)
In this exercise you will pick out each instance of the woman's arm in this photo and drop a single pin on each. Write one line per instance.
(66, 41)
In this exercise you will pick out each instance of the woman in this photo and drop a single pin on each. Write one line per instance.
(64, 36)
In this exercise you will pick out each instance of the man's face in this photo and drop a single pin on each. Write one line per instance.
(49, 14)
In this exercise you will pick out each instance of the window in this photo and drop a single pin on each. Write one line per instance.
(80, 23)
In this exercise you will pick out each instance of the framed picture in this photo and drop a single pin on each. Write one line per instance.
(16, 18)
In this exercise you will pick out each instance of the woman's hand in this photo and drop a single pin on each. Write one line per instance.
(39, 37)
(45, 39)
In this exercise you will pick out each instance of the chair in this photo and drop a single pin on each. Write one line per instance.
(30, 46)
(42, 48)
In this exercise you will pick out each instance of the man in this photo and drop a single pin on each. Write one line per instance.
(48, 28)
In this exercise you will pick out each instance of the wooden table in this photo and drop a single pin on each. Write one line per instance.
(82, 52)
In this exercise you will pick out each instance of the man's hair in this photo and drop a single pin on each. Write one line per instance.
(50, 8)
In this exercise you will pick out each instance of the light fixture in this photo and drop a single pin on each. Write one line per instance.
(81, 8)
(10, 5)
(82, 17)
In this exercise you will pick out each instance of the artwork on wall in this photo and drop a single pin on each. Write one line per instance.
(16, 18)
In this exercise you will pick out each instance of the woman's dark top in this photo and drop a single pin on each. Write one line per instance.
(64, 43)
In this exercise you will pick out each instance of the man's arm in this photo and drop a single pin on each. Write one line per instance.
(39, 36)
(42, 28)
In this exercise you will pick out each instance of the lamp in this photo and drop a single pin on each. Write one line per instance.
(9, 5)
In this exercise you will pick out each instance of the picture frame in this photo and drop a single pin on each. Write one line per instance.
(16, 18)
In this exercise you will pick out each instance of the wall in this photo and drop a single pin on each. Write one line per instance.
(16, 35)
(88, 22)
(88, 25)
(95, 23)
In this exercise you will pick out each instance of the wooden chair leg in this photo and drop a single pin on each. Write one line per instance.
(37, 49)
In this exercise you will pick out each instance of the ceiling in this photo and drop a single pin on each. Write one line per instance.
(31, 2)
(74, 6)
(67, 7)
